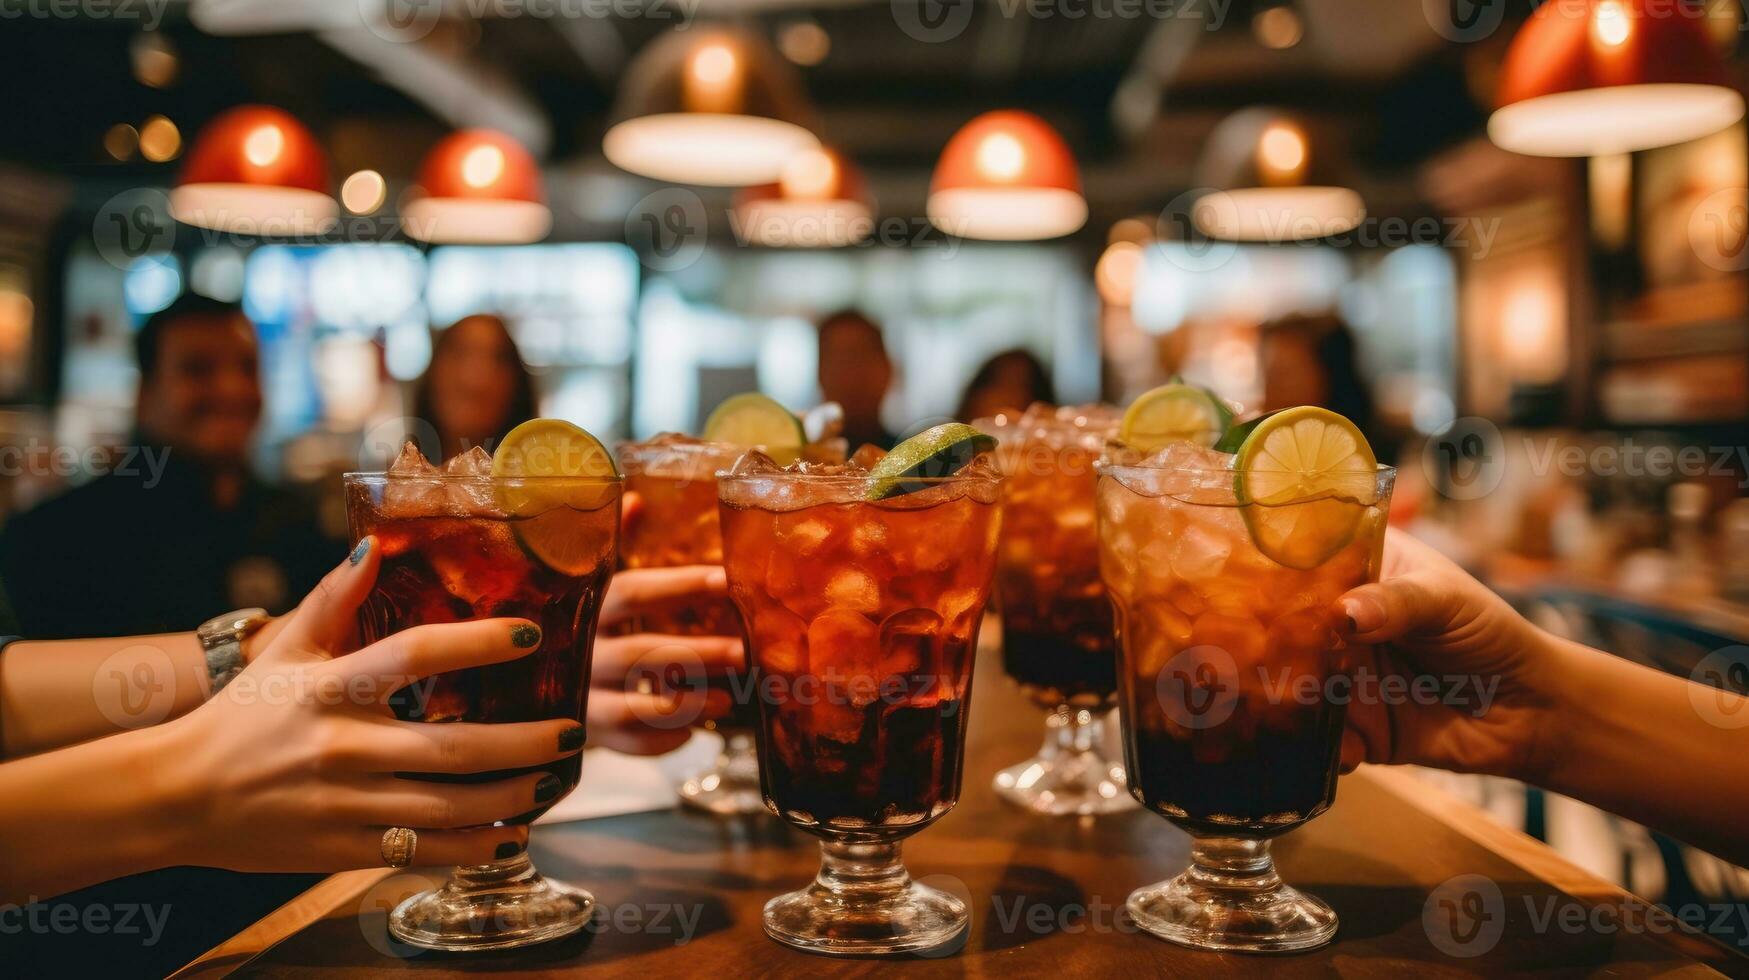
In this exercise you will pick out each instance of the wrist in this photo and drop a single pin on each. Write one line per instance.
(1569, 712)
(165, 756)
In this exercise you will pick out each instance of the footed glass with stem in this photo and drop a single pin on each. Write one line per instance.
(1226, 599)
(461, 544)
(862, 617)
(675, 523)
(1056, 621)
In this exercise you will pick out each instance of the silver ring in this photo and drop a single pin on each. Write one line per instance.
(399, 845)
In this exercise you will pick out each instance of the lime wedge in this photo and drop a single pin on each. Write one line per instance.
(1174, 413)
(753, 421)
(1305, 478)
(930, 454)
(1239, 432)
(544, 452)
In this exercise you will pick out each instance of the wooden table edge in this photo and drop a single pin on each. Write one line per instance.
(1528, 853)
(1543, 861)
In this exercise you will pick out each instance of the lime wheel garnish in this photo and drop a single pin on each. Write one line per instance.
(929, 455)
(753, 421)
(542, 468)
(1174, 413)
(1304, 477)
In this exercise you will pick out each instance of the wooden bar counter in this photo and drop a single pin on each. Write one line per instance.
(680, 894)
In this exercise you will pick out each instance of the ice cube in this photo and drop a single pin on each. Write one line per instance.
(832, 723)
(475, 462)
(844, 638)
(803, 533)
(754, 462)
(411, 462)
(777, 640)
(958, 604)
(854, 589)
(468, 484)
(909, 641)
(1198, 553)
(413, 488)
(867, 455)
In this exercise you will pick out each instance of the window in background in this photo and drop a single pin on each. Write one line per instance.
(570, 308)
(944, 309)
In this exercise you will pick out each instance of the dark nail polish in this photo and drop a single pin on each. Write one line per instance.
(358, 552)
(547, 788)
(571, 739)
(523, 635)
(508, 849)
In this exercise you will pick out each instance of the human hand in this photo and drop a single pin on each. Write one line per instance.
(625, 714)
(292, 767)
(1428, 617)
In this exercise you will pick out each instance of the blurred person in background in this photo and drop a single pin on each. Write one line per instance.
(149, 550)
(477, 388)
(855, 372)
(1314, 360)
(1008, 382)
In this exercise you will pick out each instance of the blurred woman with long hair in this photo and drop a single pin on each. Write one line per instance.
(477, 388)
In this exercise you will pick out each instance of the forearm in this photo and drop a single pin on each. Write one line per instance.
(1645, 745)
(56, 693)
(87, 814)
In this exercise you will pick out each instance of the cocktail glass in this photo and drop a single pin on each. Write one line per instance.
(1056, 620)
(456, 548)
(862, 619)
(1232, 727)
(676, 524)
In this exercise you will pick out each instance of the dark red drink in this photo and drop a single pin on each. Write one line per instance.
(455, 549)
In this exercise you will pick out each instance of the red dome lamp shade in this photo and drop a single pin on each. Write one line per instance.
(1594, 77)
(255, 170)
(818, 201)
(478, 186)
(1007, 176)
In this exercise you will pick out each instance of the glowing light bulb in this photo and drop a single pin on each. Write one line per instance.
(809, 174)
(1281, 150)
(263, 145)
(482, 166)
(1001, 157)
(363, 192)
(713, 64)
(1611, 25)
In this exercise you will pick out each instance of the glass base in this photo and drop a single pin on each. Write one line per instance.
(864, 903)
(1071, 775)
(731, 785)
(1231, 899)
(492, 906)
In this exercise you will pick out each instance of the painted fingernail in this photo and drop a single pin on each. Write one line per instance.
(524, 635)
(1365, 613)
(547, 788)
(571, 739)
(359, 551)
(508, 849)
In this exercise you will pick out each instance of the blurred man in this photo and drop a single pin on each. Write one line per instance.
(855, 372)
(181, 530)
